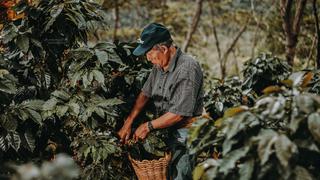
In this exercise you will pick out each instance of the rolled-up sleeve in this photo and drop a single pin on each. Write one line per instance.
(148, 85)
(185, 92)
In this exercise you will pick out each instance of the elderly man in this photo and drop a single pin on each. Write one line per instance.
(175, 87)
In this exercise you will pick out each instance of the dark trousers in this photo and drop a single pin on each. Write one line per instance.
(181, 164)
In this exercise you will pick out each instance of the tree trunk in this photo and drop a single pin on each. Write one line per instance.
(291, 26)
(315, 13)
(314, 41)
(193, 26)
(116, 20)
(215, 31)
(224, 59)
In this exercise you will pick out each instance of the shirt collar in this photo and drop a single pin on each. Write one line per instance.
(173, 60)
(172, 63)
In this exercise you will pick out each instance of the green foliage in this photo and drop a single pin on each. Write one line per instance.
(60, 94)
(220, 96)
(264, 71)
(276, 138)
(153, 147)
(62, 168)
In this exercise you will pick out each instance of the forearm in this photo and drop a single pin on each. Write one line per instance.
(138, 106)
(166, 120)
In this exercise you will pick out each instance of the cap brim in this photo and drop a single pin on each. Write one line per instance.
(140, 50)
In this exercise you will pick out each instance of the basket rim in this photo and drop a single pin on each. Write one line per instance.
(167, 157)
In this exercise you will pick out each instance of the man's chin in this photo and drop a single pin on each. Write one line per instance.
(157, 66)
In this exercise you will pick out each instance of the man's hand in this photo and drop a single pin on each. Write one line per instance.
(125, 132)
(141, 132)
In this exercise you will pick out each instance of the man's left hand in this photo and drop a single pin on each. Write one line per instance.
(141, 133)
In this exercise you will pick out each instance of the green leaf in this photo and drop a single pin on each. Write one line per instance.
(75, 78)
(246, 169)
(63, 95)
(265, 147)
(86, 151)
(227, 145)
(305, 103)
(196, 128)
(34, 115)
(3, 143)
(8, 122)
(314, 126)
(23, 43)
(110, 102)
(36, 43)
(55, 12)
(50, 104)
(33, 104)
(85, 80)
(14, 140)
(284, 149)
(100, 112)
(102, 56)
(98, 76)
(75, 108)
(62, 110)
(229, 161)
(8, 33)
(210, 166)
(28, 141)
(23, 114)
(302, 174)
(198, 172)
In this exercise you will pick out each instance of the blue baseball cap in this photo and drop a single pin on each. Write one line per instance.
(151, 35)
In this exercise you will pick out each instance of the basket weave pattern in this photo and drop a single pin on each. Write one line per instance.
(151, 169)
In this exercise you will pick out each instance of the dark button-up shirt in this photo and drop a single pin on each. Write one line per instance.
(179, 89)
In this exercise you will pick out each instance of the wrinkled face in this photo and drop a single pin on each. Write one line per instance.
(159, 55)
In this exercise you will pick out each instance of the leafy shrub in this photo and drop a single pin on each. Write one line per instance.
(221, 95)
(62, 167)
(264, 71)
(275, 139)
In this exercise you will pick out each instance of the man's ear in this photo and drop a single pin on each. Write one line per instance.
(164, 49)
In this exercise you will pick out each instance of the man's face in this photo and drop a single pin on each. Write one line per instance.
(158, 55)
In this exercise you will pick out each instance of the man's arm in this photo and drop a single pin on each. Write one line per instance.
(141, 101)
(164, 121)
(125, 131)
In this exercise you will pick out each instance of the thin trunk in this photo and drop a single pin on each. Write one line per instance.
(215, 31)
(193, 26)
(236, 62)
(314, 40)
(217, 41)
(291, 26)
(255, 39)
(116, 20)
(316, 18)
(229, 50)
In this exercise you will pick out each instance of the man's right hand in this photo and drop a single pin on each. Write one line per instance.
(125, 132)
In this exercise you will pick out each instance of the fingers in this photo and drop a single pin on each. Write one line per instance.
(134, 137)
(124, 135)
(137, 137)
(126, 138)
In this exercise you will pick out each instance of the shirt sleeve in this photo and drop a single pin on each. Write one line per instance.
(185, 92)
(148, 85)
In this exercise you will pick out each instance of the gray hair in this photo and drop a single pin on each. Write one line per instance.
(166, 43)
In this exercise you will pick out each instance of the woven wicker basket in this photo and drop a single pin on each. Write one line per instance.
(151, 169)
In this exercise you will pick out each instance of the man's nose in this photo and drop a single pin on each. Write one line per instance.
(148, 57)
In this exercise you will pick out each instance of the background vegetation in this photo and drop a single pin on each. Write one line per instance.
(68, 80)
